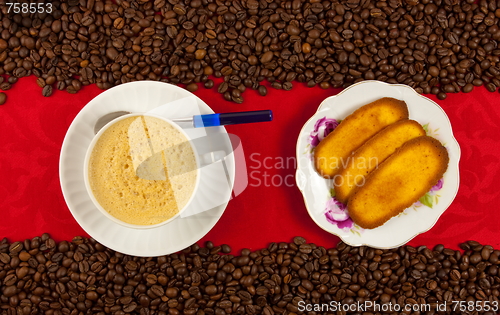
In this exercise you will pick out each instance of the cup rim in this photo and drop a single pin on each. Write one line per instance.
(89, 189)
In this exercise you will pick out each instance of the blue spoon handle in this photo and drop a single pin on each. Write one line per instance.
(212, 120)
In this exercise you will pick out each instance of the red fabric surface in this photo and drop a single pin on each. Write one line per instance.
(32, 130)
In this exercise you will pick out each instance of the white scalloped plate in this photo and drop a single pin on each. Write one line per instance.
(140, 97)
(414, 220)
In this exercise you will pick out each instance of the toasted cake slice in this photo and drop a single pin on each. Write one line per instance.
(398, 182)
(372, 153)
(334, 151)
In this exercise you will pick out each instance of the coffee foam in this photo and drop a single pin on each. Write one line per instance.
(118, 158)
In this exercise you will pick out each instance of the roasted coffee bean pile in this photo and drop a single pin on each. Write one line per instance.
(40, 276)
(434, 46)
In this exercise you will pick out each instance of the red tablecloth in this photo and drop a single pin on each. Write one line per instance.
(32, 130)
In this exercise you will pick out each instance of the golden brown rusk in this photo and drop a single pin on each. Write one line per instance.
(372, 153)
(398, 182)
(336, 149)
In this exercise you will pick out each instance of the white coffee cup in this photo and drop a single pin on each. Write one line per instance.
(138, 164)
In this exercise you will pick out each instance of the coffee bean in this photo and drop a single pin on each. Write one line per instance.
(47, 91)
(209, 84)
(491, 87)
(305, 248)
(298, 240)
(455, 275)
(345, 278)
(227, 96)
(324, 85)
(277, 85)
(235, 93)
(486, 252)
(441, 95)
(192, 87)
(475, 258)
(19, 73)
(9, 291)
(5, 86)
(226, 71)
(431, 285)
(130, 307)
(266, 57)
(226, 249)
(15, 247)
(9, 280)
(237, 99)
(3, 98)
(223, 87)
(383, 53)
(24, 256)
(12, 79)
(262, 90)
(119, 23)
(484, 284)
(41, 82)
(467, 88)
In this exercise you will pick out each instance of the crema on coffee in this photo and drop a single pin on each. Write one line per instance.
(142, 170)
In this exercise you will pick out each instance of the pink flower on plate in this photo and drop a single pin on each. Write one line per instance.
(336, 213)
(321, 129)
(438, 186)
(430, 198)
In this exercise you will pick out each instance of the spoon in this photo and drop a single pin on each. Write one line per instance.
(208, 120)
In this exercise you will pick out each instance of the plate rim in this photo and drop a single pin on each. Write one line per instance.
(299, 170)
(64, 153)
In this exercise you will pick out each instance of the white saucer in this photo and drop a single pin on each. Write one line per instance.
(415, 220)
(140, 97)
